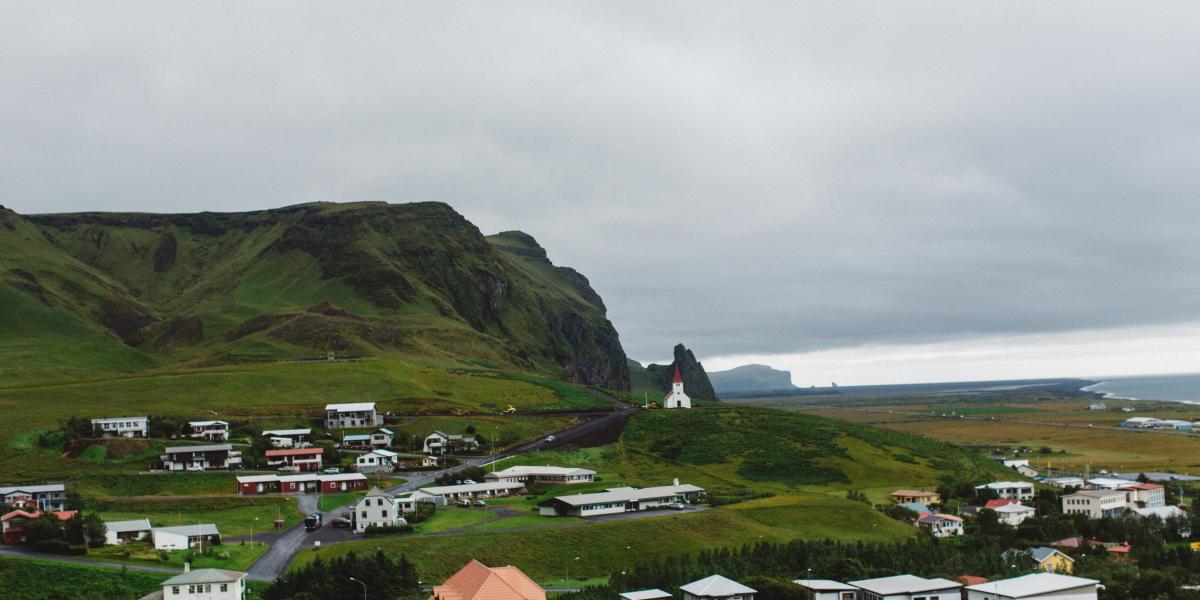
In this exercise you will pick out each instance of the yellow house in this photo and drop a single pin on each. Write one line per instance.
(908, 496)
(1050, 560)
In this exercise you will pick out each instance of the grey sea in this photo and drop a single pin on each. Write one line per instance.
(1168, 388)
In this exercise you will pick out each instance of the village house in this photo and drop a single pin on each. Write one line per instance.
(907, 587)
(351, 415)
(376, 509)
(203, 584)
(376, 461)
(940, 525)
(1163, 513)
(47, 496)
(1096, 504)
(407, 501)
(439, 443)
(382, 438)
(911, 496)
(123, 532)
(1017, 490)
(1140, 423)
(620, 500)
(676, 398)
(357, 441)
(1045, 559)
(289, 438)
(1064, 481)
(475, 581)
(295, 459)
(471, 491)
(716, 587)
(200, 458)
(1146, 495)
(547, 475)
(129, 427)
(213, 431)
(1009, 511)
(311, 483)
(827, 589)
(1109, 483)
(651, 594)
(1036, 586)
(12, 524)
(183, 537)
(1097, 406)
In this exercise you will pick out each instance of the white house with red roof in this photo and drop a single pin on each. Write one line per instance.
(676, 398)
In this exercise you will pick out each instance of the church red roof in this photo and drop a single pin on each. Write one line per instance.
(678, 377)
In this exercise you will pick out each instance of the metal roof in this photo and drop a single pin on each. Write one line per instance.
(32, 489)
(716, 586)
(904, 584)
(628, 494)
(205, 448)
(1032, 585)
(824, 585)
(127, 526)
(287, 432)
(651, 594)
(351, 407)
(205, 576)
(190, 530)
(471, 487)
(535, 470)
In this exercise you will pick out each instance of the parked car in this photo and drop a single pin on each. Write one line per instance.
(480, 503)
(332, 471)
(468, 481)
(550, 438)
(340, 522)
(464, 503)
(678, 506)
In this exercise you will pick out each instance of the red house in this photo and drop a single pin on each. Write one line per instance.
(251, 485)
(295, 459)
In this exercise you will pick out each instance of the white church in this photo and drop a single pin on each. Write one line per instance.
(676, 398)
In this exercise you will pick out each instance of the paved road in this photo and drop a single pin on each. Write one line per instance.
(289, 543)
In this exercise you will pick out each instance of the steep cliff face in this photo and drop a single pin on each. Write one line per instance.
(658, 377)
(412, 278)
(751, 378)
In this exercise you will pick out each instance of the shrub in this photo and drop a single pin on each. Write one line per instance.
(388, 529)
(59, 547)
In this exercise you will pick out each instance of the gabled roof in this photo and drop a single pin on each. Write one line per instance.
(997, 503)
(628, 494)
(205, 576)
(207, 423)
(651, 594)
(295, 452)
(351, 407)
(287, 432)
(1032, 585)
(937, 518)
(716, 586)
(999, 485)
(127, 526)
(475, 581)
(520, 470)
(357, 437)
(471, 487)
(1041, 553)
(678, 378)
(204, 448)
(385, 430)
(32, 489)
(190, 530)
(383, 453)
(904, 584)
(825, 585)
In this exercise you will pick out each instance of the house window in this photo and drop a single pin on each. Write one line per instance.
(224, 587)
(174, 590)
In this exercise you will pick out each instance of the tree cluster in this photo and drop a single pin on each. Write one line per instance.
(384, 577)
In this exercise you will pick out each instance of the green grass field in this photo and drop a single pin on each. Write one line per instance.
(233, 515)
(601, 546)
(46, 580)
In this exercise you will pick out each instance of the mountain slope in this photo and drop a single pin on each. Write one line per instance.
(654, 378)
(359, 279)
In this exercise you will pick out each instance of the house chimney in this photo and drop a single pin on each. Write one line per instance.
(187, 567)
(675, 481)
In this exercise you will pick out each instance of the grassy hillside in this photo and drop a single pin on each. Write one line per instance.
(95, 293)
(778, 476)
(44, 580)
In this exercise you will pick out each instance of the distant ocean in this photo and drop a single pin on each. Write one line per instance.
(1167, 388)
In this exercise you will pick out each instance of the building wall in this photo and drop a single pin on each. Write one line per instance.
(209, 591)
(1081, 593)
(1057, 564)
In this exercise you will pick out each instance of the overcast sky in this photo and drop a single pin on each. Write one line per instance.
(843, 189)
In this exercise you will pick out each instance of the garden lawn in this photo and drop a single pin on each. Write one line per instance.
(233, 516)
(448, 518)
(241, 556)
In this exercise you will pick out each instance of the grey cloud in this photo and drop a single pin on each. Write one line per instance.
(747, 178)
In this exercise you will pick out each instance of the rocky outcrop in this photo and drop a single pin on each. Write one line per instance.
(695, 381)
(751, 378)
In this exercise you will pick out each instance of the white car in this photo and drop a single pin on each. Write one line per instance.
(550, 438)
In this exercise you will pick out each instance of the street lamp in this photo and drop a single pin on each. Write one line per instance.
(362, 584)
(252, 532)
(568, 577)
(625, 560)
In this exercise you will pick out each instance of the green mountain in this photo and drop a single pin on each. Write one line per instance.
(751, 378)
(123, 292)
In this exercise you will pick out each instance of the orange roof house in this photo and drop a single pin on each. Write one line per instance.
(475, 581)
